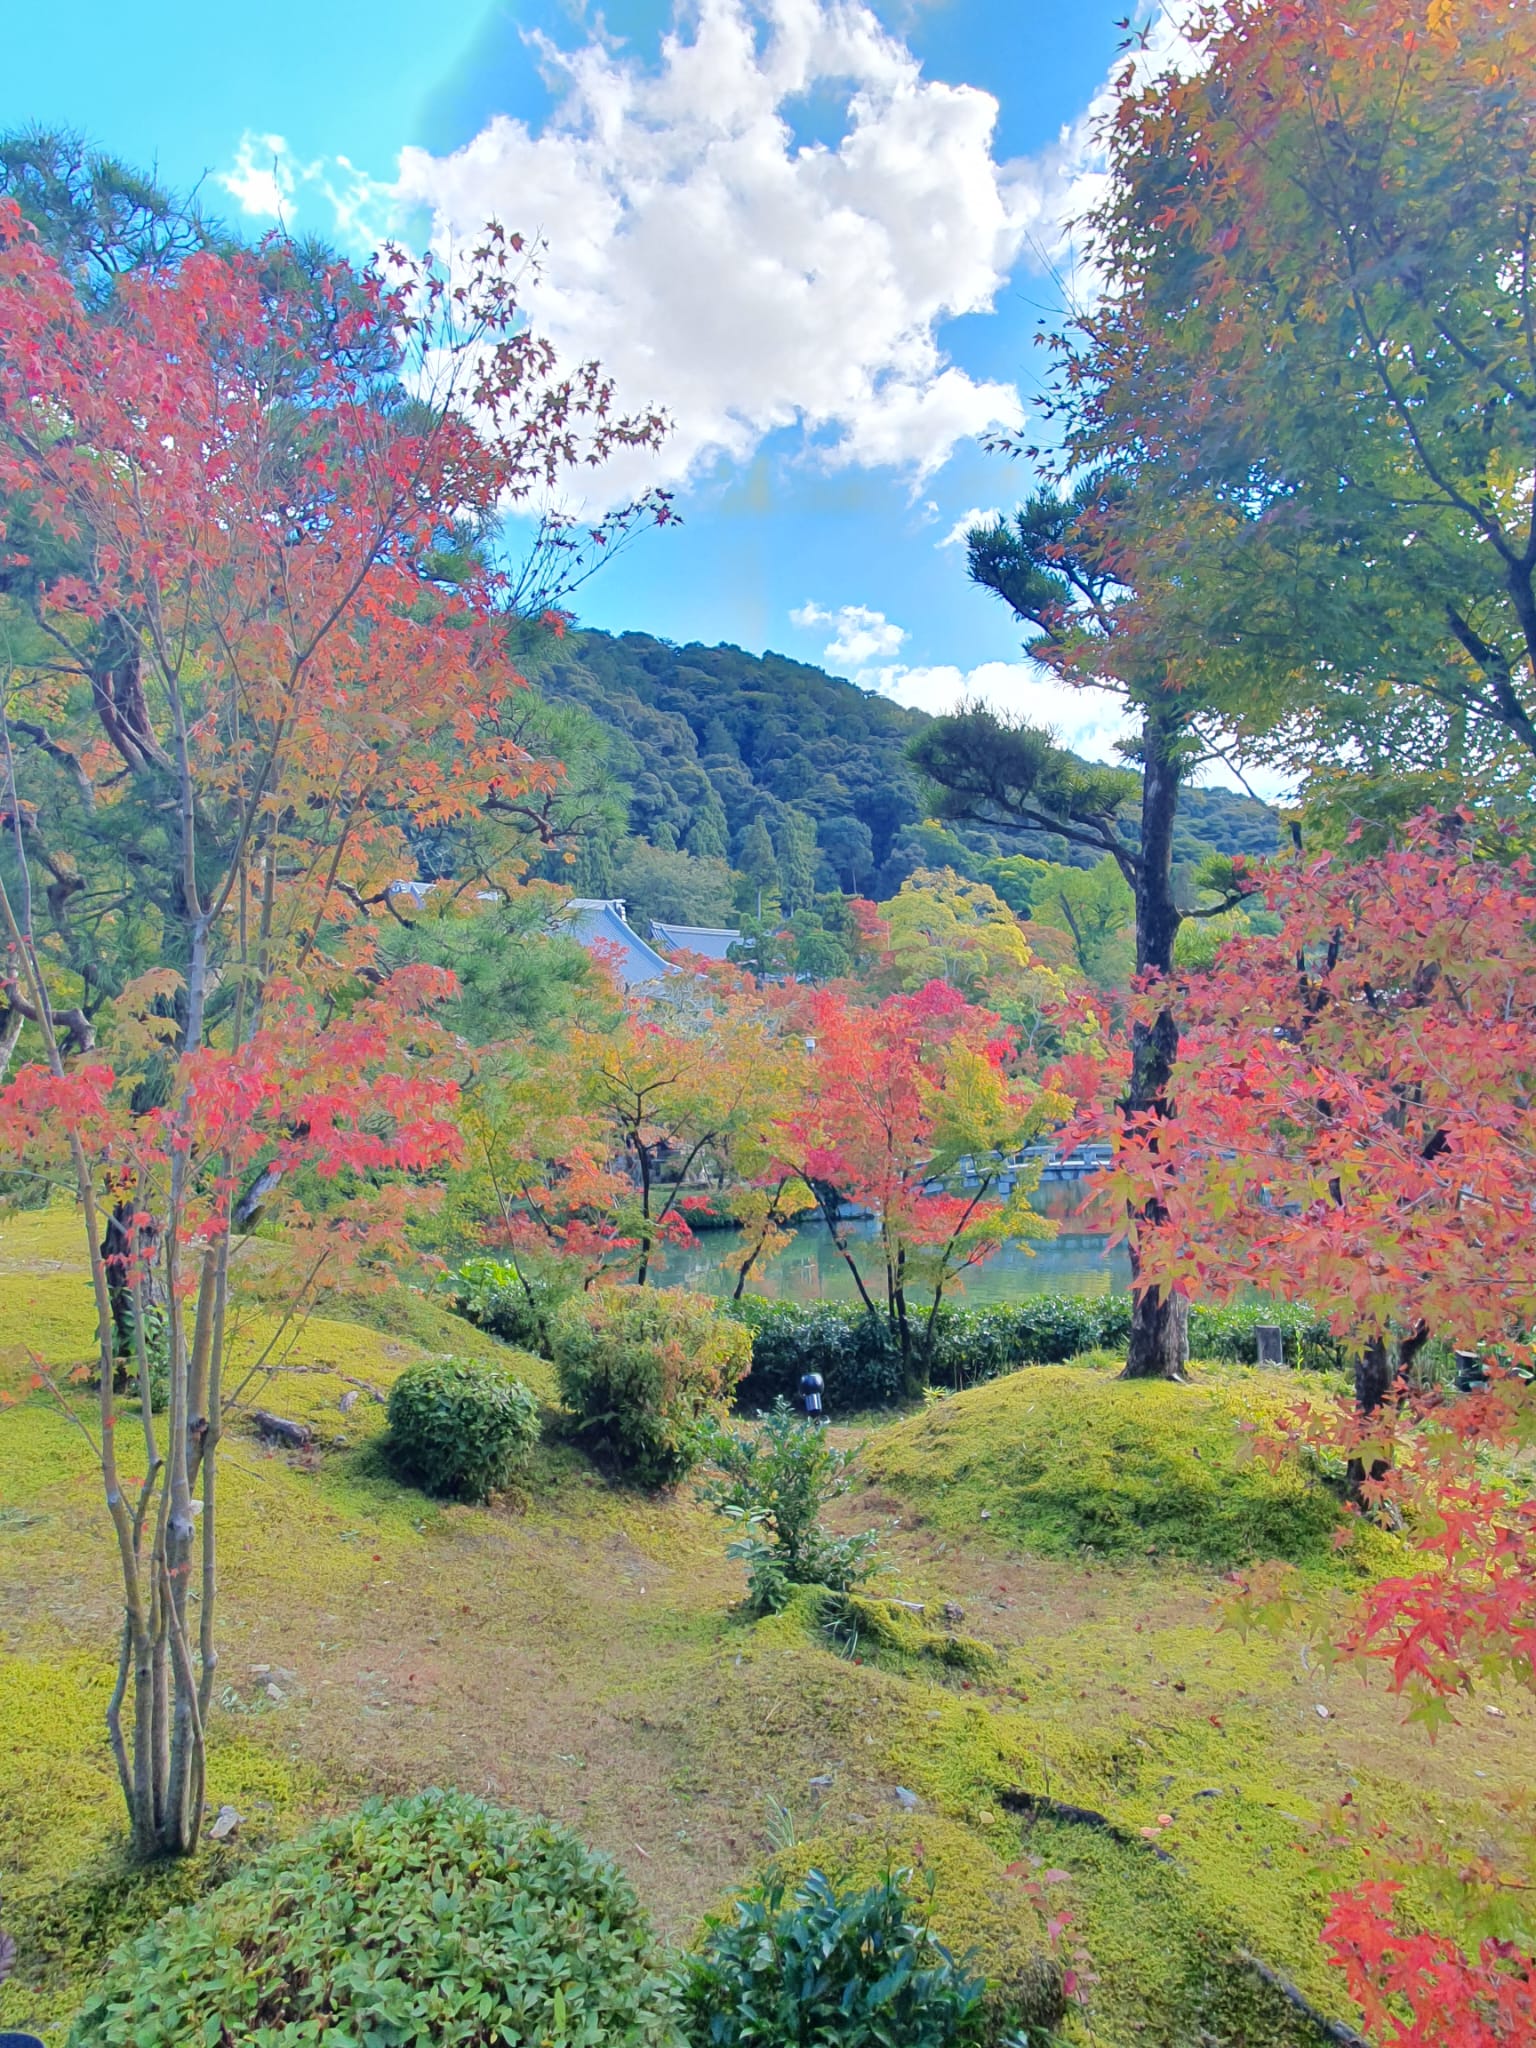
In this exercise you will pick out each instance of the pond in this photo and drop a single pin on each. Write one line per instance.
(810, 1268)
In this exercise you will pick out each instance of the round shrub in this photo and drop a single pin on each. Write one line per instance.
(412, 1922)
(640, 1369)
(860, 1970)
(459, 1427)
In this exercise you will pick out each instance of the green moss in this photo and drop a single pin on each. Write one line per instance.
(1120, 1694)
(308, 1374)
(884, 1627)
(33, 1240)
(71, 1893)
(48, 1320)
(1062, 1459)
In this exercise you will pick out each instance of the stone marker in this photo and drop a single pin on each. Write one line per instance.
(1271, 1340)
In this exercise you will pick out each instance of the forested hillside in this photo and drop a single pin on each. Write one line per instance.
(792, 777)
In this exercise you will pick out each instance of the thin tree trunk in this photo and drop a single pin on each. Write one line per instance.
(645, 1211)
(1373, 1382)
(118, 1248)
(1159, 1340)
(9, 1035)
(827, 1198)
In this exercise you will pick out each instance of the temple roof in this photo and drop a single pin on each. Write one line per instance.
(600, 921)
(711, 942)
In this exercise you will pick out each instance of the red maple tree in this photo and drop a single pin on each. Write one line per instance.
(911, 1110)
(243, 507)
(1357, 1127)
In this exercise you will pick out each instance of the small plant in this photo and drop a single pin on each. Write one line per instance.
(643, 1371)
(775, 1483)
(819, 1970)
(434, 1918)
(460, 1427)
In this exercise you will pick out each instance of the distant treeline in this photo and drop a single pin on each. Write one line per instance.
(792, 777)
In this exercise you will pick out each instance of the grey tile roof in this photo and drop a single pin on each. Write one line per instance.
(599, 920)
(712, 942)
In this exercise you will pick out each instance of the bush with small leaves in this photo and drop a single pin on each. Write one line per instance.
(511, 1301)
(852, 1350)
(423, 1920)
(823, 1970)
(642, 1369)
(774, 1482)
(460, 1427)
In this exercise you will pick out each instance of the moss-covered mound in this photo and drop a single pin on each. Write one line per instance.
(1061, 1458)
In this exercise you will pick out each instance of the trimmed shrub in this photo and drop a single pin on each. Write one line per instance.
(856, 1356)
(511, 1302)
(642, 1369)
(414, 1921)
(459, 1427)
(859, 1970)
(852, 1350)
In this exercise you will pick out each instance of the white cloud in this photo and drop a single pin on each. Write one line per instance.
(743, 281)
(263, 178)
(860, 635)
(1089, 721)
(270, 183)
(959, 533)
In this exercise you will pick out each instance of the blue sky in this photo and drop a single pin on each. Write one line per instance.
(822, 237)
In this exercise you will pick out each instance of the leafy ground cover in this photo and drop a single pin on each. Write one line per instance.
(580, 1651)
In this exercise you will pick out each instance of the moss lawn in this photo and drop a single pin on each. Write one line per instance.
(579, 1650)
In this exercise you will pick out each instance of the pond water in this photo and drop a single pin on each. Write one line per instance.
(810, 1268)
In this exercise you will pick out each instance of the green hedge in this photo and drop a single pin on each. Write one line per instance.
(851, 1350)
(855, 1354)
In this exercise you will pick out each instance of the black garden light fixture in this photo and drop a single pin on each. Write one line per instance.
(812, 1387)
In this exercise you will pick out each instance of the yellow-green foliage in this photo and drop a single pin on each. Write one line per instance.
(301, 1366)
(592, 1621)
(1059, 1458)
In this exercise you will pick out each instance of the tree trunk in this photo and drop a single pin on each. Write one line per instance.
(644, 1159)
(1374, 1379)
(914, 1357)
(117, 1251)
(1159, 1340)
